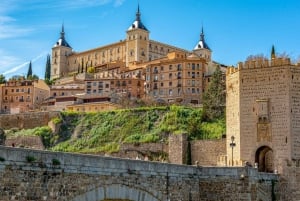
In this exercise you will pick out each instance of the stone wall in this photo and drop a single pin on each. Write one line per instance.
(178, 145)
(39, 175)
(207, 152)
(143, 151)
(34, 142)
(26, 120)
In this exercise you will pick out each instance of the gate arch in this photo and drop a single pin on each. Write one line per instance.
(117, 192)
(264, 159)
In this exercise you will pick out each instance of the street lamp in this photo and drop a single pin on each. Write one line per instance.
(232, 145)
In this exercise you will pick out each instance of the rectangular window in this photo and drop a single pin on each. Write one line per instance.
(193, 83)
(161, 92)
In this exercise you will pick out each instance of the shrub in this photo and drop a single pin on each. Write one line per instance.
(30, 159)
(56, 120)
(55, 161)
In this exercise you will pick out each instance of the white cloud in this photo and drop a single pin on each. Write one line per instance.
(9, 30)
(6, 60)
(118, 3)
(11, 61)
(83, 3)
(12, 31)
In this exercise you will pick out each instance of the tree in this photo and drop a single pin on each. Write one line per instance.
(29, 73)
(33, 77)
(2, 79)
(48, 68)
(214, 97)
(256, 57)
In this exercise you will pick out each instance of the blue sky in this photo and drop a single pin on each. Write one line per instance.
(234, 29)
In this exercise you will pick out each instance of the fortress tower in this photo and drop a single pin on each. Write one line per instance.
(263, 114)
(60, 52)
(137, 41)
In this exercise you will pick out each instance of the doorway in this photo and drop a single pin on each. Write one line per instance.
(264, 159)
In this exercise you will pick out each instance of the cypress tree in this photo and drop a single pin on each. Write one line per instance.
(29, 72)
(214, 98)
(48, 68)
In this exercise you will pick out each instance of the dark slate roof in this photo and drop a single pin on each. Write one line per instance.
(201, 44)
(137, 24)
(62, 41)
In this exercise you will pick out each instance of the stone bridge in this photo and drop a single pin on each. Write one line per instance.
(41, 175)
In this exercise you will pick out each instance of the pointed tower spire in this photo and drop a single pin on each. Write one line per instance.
(62, 41)
(273, 54)
(138, 14)
(202, 34)
(202, 44)
(137, 24)
(62, 33)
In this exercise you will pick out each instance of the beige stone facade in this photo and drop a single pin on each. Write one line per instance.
(20, 95)
(92, 107)
(262, 114)
(129, 59)
(176, 78)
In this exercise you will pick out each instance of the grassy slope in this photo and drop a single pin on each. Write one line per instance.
(105, 131)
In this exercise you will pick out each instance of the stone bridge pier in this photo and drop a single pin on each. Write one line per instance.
(40, 175)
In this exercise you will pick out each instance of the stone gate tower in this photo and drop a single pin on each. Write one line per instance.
(263, 114)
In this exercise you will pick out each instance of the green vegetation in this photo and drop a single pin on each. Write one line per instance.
(56, 120)
(214, 98)
(55, 161)
(106, 131)
(44, 132)
(30, 159)
(2, 79)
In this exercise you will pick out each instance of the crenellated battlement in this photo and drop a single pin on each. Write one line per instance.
(259, 63)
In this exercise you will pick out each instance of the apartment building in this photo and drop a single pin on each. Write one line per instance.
(21, 95)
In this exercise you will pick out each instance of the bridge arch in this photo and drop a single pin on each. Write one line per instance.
(264, 159)
(117, 192)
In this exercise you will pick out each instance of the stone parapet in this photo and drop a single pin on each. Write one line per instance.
(259, 63)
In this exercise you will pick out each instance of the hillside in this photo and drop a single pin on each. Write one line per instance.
(105, 131)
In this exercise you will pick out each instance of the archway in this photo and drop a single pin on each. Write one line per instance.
(264, 159)
(117, 192)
